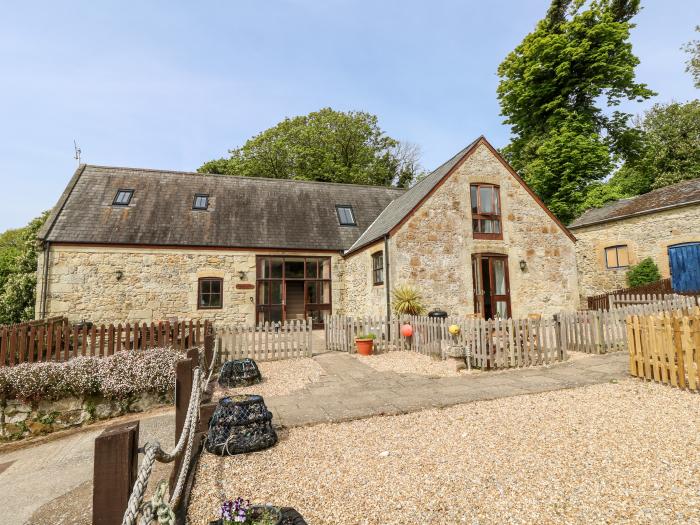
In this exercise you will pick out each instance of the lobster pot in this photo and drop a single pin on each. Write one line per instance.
(240, 424)
(239, 372)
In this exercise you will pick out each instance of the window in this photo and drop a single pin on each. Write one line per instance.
(486, 211)
(210, 293)
(123, 198)
(201, 202)
(617, 257)
(378, 268)
(345, 216)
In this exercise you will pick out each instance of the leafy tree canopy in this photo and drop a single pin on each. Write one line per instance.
(557, 91)
(17, 292)
(327, 146)
(693, 63)
(668, 152)
(643, 273)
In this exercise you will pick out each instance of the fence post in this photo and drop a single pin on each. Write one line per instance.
(208, 350)
(115, 468)
(184, 370)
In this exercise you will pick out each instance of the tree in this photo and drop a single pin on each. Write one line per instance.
(558, 91)
(327, 146)
(9, 250)
(643, 273)
(17, 295)
(693, 63)
(668, 152)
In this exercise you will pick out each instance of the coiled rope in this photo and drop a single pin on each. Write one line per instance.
(158, 508)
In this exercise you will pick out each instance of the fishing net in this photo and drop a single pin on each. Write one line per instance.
(240, 424)
(239, 372)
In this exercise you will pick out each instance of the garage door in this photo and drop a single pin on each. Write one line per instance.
(684, 260)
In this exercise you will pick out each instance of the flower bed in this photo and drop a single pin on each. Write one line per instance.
(37, 398)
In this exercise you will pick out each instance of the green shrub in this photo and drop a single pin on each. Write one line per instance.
(367, 336)
(643, 273)
(407, 301)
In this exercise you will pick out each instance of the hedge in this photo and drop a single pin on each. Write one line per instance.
(121, 376)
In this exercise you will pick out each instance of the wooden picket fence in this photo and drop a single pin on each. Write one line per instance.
(58, 340)
(265, 342)
(666, 348)
(498, 343)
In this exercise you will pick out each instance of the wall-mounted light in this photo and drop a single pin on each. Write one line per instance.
(242, 275)
(120, 274)
(523, 265)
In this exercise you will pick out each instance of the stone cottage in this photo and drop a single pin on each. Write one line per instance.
(136, 244)
(663, 224)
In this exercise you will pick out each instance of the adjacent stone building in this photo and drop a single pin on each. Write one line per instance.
(663, 224)
(132, 244)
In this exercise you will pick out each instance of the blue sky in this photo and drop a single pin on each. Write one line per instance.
(172, 84)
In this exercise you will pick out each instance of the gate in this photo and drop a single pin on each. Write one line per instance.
(684, 261)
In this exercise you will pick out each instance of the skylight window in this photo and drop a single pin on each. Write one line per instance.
(345, 215)
(123, 197)
(201, 202)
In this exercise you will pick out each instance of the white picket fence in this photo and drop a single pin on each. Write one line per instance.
(656, 301)
(502, 343)
(264, 342)
(499, 343)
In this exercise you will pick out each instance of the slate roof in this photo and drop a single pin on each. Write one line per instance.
(243, 212)
(681, 194)
(402, 206)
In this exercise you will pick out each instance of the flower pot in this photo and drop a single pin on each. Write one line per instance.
(364, 346)
(255, 513)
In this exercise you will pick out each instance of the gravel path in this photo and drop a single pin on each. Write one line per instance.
(280, 378)
(625, 452)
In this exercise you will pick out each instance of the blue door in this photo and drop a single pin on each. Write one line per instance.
(684, 260)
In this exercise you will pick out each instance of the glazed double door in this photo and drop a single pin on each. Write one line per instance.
(491, 286)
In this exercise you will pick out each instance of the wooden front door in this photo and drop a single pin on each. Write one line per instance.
(491, 286)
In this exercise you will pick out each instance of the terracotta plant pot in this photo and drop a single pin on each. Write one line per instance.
(364, 346)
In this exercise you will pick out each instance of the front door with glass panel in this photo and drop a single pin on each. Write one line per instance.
(290, 288)
(491, 286)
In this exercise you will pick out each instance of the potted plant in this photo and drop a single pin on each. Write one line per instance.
(365, 343)
(240, 511)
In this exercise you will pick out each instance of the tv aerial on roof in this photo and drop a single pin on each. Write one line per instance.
(77, 152)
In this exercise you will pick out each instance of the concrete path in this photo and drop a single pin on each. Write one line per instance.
(351, 390)
(52, 483)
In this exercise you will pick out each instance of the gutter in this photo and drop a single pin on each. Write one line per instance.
(45, 280)
(387, 286)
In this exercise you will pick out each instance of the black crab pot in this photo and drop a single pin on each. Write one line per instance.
(239, 372)
(240, 424)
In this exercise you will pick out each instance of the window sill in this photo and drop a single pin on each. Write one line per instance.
(489, 236)
(378, 284)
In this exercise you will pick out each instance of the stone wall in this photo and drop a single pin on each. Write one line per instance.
(113, 284)
(432, 250)
(362, 297)
(646, 236)
(20, 420)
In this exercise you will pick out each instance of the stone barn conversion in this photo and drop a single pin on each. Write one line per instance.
(136, 244)
(663, 224)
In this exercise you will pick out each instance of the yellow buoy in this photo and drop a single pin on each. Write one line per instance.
(453, 329)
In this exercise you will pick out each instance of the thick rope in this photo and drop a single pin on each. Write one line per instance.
(153, 452)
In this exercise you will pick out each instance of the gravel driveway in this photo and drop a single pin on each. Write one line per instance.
(626, 452)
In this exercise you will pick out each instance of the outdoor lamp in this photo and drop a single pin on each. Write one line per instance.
(523, 265)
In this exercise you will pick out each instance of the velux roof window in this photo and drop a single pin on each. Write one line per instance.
(345, 215)
(123, 197)
(201, 202)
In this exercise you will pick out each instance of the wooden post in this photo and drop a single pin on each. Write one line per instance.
(115, 469)
(208, 350)
(183, 389)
